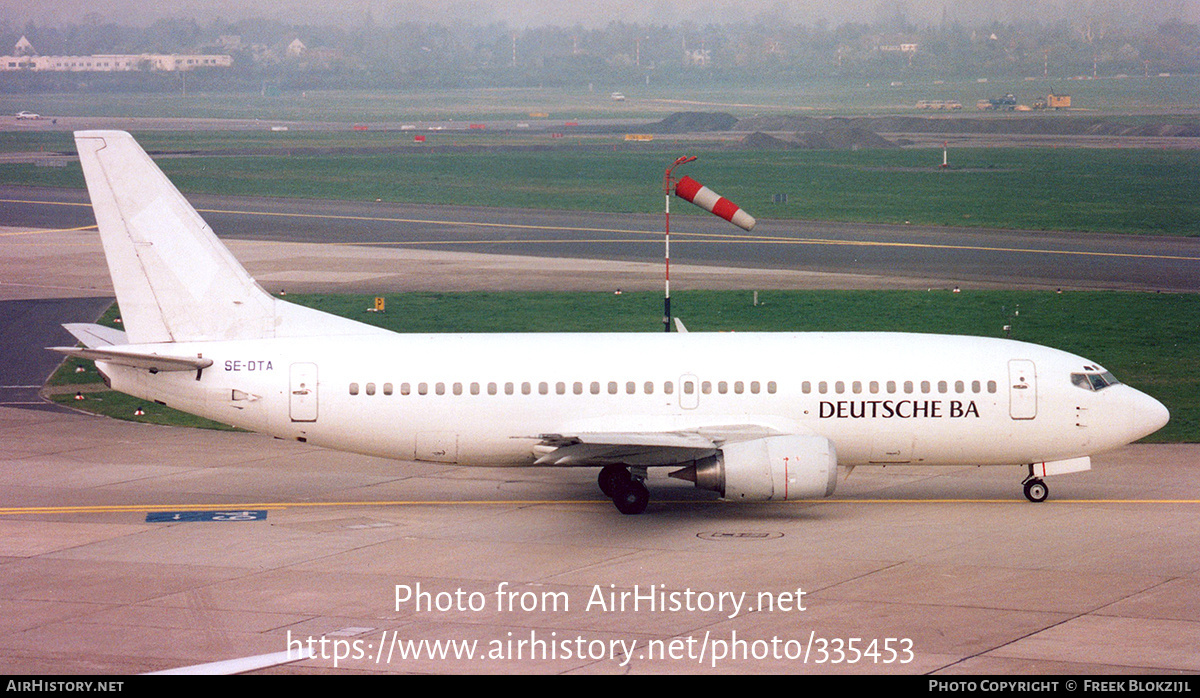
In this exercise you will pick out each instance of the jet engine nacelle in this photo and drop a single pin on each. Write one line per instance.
(771, 468)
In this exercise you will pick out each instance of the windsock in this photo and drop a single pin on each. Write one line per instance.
(689, 189)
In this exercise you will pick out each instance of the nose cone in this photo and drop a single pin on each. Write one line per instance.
(1149, 415)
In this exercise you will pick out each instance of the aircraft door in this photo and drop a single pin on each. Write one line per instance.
(302, 405)
(689, 392)
(1022, 389)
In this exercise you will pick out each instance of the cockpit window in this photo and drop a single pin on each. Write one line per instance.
(1094, 381)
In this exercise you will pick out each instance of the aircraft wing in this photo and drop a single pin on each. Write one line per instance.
(138, 359)
(628, 448)
(593, 444)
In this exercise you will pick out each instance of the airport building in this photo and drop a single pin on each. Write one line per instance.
(24, 58)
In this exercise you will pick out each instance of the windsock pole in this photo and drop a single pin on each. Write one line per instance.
(668, 186)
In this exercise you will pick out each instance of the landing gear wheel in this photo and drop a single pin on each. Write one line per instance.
(1036, 490)
(631, 497)
(610, 477)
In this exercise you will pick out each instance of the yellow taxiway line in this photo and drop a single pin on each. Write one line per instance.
(43, 231)
(240, 506)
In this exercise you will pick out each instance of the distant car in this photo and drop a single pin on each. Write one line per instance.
(617, 97)
(23, 115)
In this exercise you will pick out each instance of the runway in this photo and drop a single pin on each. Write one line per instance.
(127, 548)
(1026, 259)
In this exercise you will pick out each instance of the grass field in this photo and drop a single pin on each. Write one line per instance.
(1090, 190)
(825, 96)
(1148, 340)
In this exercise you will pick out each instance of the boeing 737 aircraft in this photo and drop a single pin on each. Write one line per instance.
(752, 416)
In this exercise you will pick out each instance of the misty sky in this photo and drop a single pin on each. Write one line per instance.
(523, 13)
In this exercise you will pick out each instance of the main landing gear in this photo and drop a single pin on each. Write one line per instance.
(1035, 489)
(626, 489)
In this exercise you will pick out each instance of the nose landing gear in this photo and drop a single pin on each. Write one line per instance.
(1035, 489)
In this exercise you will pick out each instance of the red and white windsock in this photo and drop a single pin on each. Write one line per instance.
(689, 189)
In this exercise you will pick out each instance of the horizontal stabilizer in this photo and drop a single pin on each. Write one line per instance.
(93, 335)
(138, 359)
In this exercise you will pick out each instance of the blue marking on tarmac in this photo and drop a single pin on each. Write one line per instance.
(238, 515)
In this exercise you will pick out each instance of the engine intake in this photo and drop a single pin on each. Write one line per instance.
(771, 468)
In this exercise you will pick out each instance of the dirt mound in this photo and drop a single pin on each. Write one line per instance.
(843, 138)
(694, 122)
(782, 123)
(761, 141)
(1057, 125)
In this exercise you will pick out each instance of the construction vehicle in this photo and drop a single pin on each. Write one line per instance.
(1053, 101)
(1006, 103)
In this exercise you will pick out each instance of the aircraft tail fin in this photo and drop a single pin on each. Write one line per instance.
(173, 278)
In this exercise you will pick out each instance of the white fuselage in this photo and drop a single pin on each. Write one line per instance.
(488, 399)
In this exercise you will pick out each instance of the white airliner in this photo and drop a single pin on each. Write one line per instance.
(753, 416)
